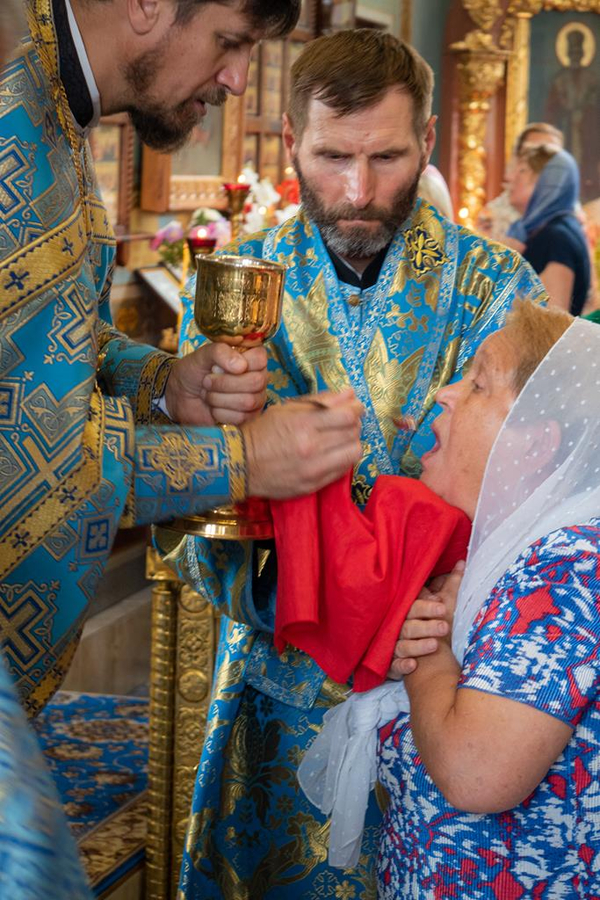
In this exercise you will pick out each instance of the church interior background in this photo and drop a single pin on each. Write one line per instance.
(123, 735)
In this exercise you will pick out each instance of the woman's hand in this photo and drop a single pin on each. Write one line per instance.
(429, 620)
(486, 753)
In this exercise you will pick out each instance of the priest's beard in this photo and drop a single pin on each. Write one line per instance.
(159, 125)
(358, 242)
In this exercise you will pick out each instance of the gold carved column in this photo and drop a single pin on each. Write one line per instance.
(481, 67)
(516, 35)
(184, 640)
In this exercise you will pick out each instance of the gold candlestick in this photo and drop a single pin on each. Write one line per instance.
(236, 296)
(237, 194)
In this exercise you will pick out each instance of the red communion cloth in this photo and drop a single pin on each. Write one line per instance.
(346, 578)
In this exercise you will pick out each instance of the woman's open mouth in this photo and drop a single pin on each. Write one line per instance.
(433, 450)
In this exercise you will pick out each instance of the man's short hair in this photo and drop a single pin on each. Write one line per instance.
(354, 69)
(555, 135)
(273, 18)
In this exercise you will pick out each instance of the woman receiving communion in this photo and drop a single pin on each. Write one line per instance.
(493, 774)
(491, 769)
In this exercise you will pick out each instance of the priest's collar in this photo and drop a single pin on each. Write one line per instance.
(350, 276)
(75, 70)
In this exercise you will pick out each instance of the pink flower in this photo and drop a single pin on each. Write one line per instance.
(170, 234)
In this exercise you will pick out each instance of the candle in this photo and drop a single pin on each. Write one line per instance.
(199, 244)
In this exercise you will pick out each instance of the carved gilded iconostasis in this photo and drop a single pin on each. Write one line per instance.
(516, 61)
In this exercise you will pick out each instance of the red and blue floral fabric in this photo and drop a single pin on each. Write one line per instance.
(535, 641)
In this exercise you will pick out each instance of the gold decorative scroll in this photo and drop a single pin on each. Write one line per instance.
(184, 641)
(197, 638)
(481, 67)
(162, 731)
(533, 7)
(485, 13)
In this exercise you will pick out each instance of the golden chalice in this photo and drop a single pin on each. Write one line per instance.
(236, 297)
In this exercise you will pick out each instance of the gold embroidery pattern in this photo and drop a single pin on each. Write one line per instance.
(65, 497)
(160, 380)
(180, 460)
(41, 265)
(264, 777)
(151, 385)
(36, 699)
(390, 379)
(315, 347)
(424, 252)
(236, 454)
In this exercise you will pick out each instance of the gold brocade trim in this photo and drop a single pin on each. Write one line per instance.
(147, 389)
(162, 376)
(42, 264)
(61, 501)
(40, 19)
(238, 470)
(52, 679)
(101, 229)
(105, 334)
(332, 693)
(239, 582)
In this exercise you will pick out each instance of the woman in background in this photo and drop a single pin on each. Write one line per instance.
(543, 186)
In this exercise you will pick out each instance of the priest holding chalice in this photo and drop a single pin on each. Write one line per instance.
(238, 303)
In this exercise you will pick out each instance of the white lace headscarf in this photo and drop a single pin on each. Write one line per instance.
(519, 502)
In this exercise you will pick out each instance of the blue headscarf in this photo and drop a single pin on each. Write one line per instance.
(556, 194)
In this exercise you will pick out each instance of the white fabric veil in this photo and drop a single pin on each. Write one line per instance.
(520, 502)
(543, 473)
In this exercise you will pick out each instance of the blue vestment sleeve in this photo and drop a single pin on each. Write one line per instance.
(175, 470)
(38, 853)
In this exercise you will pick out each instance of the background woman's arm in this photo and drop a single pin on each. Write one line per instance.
(558, 280)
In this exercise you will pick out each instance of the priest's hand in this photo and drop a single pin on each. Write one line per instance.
(217, 385)
(301, 445)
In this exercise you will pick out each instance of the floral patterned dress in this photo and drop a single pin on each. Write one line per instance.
(535, 641)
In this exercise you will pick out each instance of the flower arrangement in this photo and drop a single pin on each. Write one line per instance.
(208, 229)
(168, 241)
(264, 205)
(209, 223)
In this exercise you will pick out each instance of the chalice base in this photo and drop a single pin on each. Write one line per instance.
(227, 523)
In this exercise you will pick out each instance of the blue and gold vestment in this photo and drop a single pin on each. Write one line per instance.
(38, 855)
(440, 292)
(81, 448)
